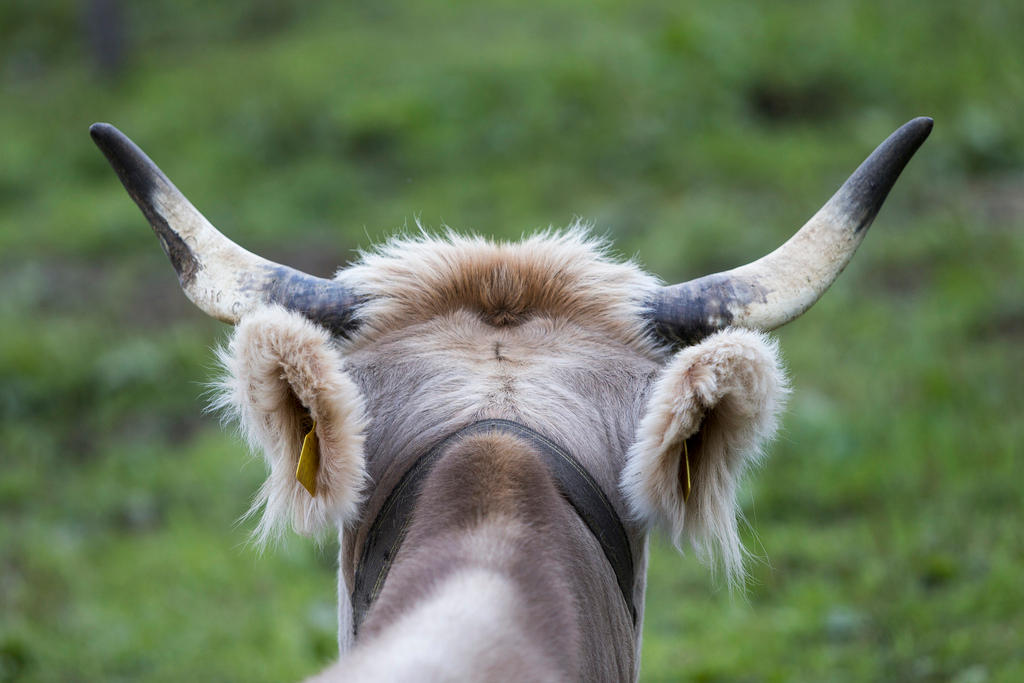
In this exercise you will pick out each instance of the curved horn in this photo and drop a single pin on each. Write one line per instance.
(220, 277)
(779, 287)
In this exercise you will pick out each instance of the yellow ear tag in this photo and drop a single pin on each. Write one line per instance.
(309, 462)
(688, 485)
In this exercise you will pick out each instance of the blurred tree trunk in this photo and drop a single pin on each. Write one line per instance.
(105, 28)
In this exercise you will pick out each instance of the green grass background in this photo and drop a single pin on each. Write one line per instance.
(696, 135)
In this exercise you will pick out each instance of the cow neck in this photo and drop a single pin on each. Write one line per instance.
(572, 480)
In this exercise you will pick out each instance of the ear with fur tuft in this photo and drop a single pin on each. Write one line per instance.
(721, 398)
(282, 373)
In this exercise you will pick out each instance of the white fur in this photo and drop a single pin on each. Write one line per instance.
(731, 386)
(281, 369)
(470, 628)
(346, 616)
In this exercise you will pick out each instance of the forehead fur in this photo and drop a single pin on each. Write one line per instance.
(565, 275)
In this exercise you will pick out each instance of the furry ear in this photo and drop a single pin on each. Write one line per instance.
(721, 398)
(282, 373)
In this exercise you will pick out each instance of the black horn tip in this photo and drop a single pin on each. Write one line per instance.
(114, 144)
(137, 172)
(914, 132)
(924, 123)
(141, 177)
(102, 131)
(864, 192)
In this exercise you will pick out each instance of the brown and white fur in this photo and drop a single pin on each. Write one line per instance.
(498, 578)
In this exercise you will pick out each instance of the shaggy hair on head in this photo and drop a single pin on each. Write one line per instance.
(722, 397)
(282, 372)
(567, 274)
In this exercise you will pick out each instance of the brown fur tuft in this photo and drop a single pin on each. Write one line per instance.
(566, 275)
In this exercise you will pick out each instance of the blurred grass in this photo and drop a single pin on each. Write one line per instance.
(696, 136)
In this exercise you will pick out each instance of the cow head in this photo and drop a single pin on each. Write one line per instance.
(664, 393)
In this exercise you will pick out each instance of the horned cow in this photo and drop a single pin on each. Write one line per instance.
(492, 428)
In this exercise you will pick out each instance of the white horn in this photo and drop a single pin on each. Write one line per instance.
(779, 287)
(221, 278)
